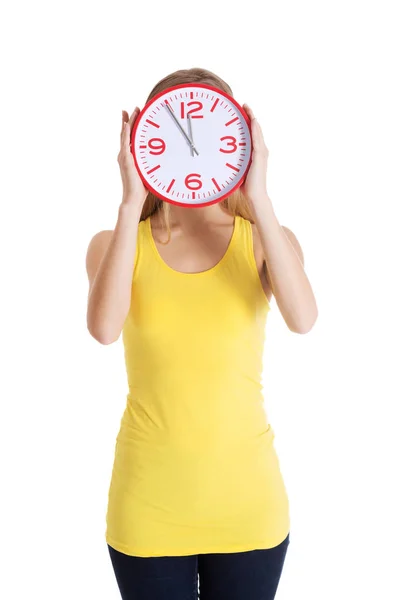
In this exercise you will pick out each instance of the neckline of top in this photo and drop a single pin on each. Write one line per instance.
(198, 273)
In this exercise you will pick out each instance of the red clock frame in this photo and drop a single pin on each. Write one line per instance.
(151, 101)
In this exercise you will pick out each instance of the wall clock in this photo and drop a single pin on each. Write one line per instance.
(191, 145)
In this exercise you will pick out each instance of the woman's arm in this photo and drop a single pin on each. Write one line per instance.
(284, 261)
(109, 264)
(111, 254)
(284, 264)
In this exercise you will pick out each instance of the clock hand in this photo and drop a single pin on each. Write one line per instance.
(181, 128)
(190, 133)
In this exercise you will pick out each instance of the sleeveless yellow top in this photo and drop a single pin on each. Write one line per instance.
(195, 469)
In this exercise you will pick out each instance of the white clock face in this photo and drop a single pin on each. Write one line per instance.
(192, 145)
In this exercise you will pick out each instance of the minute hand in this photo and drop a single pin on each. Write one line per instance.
(189, 122)
(181, 128)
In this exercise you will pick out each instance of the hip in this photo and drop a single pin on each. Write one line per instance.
(220, 481)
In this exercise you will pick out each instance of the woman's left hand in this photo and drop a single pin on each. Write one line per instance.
(255, 183)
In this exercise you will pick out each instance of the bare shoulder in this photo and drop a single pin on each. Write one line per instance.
(295, 243)
(95, 252)
(259, 252)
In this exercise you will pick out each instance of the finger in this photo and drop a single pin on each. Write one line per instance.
(249, 111)
(130, 121)
(255, 134)
(258, 139)
(124, 118)
(256, 131)
(133, 116)
(126, 136)
(255, 138)
(127, 128)
(246, 110)
(259, 131)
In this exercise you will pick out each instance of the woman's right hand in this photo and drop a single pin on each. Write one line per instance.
(134, 192)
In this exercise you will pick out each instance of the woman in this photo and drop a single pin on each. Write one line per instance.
(196, 498)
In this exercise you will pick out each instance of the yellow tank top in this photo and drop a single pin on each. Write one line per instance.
(195, 469)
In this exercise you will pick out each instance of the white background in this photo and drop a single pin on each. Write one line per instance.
(321, 78)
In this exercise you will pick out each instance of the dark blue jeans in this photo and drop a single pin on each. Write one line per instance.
(250, 575)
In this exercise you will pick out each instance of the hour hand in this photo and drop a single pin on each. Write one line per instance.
(181, 128)
(189, 120)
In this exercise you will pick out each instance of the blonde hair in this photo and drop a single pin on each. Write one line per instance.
(236, 203)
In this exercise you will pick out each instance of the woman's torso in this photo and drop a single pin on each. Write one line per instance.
(195, 467)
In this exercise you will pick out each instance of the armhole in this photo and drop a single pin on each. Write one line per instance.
(253, 263)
